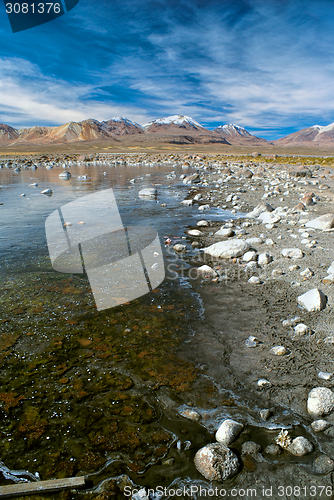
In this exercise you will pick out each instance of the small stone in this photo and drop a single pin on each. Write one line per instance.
(320, 425)
(254, 280)
(294, 267)
(227, 231)
(250, 448)
(277, 272)
(251, 341)
(292, 253)
(187, 203)
(204, 207)
(313, 300)
(150, 192)
(194, 232)
(278, 350)
(269, 242)
(48, 192)
(190, 414)
(216, 462)
(273, 449)
(302, 329)
(262, 382)
(300, 446)
(65, 175)
(207, 271)
(325, 375)
(254, 241)
(307, 273)
(249, 256)
(291, 321)
(264, 259)
(323, 464)
(202, 223)
(179, 248)
(265, 413)
(228, 431)
(320, 401)
(329, 279)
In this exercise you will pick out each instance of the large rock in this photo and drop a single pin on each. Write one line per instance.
(300, 446)
(228, 431)
(228, 249)
(216, 462)
(323, 222)
(320, 401)
(313, 300)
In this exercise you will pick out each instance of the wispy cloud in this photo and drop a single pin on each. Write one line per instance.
(266, 65)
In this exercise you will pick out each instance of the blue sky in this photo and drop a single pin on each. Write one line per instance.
(263, 64)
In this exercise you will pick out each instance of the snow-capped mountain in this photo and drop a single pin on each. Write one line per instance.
(174, 121)
(122, 126)
(314, 135)
(235, 134)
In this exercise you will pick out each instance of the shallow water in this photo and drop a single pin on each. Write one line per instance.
(96, 393)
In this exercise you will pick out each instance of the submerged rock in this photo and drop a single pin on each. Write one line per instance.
(300, 446)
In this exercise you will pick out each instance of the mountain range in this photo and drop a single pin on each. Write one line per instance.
(175, 129)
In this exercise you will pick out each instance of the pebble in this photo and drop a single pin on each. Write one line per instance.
(216, 462)
(250, 448)
(302, 329)
(300, 446)
(251, 341)
(190, 414)
(278, 350)
(207, 270)
(249, 256)
(65, 175)
(228, 431)
(292, 253)
(264, 259)
(307, 273)
(291, 321)
(325, 375)
(254, 280)
(265, 413)
(179, 247)
(262, 382)
(194, 232)
(254, 241)
(202, 223)
(47, 191)
(313, 300)
(323, 464)
(320, 425)
(320, 401)
(273, 449)
(227, 231)
(204, 207)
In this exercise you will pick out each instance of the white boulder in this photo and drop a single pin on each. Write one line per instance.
(320, 401)
(300, 446)
(323, 222)
(228, 249)
(292, 253)
(228, 431)
(216, 462)
(313, 300)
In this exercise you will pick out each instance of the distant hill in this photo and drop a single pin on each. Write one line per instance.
(237, 135)
(311, 136)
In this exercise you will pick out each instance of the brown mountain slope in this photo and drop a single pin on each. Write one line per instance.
(312, 136)
(7, 134)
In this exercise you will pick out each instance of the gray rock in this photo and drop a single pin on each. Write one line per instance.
(249, 256)
(254, 241)
(228, 431)
(262, 207)
(48, 192)
(202, 223)
(216, 462)
(323, 222)
(227, 249)
(250, 448)
(313, 300)
(65, 175)
(300, 446)
(190, 179)
(278, 350)
(320, 425)
(273, 449)
(264, 259)
(323, 464)
(320, 401)
(254, 280)
(302, 329)
(225, 231)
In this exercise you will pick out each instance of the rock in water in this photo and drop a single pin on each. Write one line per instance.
(150, 192)
(313, 300)
(320, 425)
(320, 401)
(65, 175)
(48, 192)
(228, 431)
(216, 462)
(300, 446)
(323, 222)
(227, 249)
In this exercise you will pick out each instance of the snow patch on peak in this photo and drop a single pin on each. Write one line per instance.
(326, 128)
(121, 119)
(231, 128)
(176, 120)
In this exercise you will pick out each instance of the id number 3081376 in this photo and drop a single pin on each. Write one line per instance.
(32, 8)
